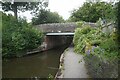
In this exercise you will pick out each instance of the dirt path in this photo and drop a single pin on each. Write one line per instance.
(74, 65)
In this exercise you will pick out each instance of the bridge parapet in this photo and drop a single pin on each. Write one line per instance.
(61, 27)
(57, 27)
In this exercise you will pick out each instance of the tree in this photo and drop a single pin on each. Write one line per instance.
(92, 11)
(18, 37)
(22, 6)
(46, 16)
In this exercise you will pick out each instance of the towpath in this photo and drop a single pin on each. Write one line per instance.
(74, 65)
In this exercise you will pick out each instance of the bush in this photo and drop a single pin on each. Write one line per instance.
(82, 35)
(100, 51)
(18, 36)
(87, 37)
(79, 24)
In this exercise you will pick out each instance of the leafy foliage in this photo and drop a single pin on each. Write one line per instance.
(92, 11)
(80, 24)
(96, 41)
(22, 6)
(45, 16)
(18, 36)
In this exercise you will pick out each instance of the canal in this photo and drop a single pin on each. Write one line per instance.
(36, 65)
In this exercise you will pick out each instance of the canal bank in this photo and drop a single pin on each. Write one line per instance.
(72, 65)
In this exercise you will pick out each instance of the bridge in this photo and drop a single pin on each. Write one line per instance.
(61, 27)
(58, 34)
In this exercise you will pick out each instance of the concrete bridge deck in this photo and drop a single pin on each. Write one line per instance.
(60, 34)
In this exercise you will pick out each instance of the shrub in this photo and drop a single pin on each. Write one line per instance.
(100, 51)
(18, 36)
(95, 37)
(79, 24)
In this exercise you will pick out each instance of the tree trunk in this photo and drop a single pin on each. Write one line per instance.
(15, 10)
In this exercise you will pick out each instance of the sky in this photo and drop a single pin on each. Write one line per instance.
(63, 7)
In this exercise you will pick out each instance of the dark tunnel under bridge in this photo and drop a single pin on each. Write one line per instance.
(53, 40)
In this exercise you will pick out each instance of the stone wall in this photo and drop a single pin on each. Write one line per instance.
(61, 27)
(56, 27)
(99, 68)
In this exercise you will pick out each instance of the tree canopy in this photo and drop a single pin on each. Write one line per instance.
(23, 6)
(92, 11)
(45, 16)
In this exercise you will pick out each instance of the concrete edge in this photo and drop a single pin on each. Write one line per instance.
(60, 74)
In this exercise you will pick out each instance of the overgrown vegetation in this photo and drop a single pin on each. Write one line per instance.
(98, 45)
(100, 50)
(96, 41)
(18, 36)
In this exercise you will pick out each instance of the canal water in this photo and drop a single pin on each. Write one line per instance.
(36, 65)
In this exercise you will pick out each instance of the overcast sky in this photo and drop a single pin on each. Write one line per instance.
(63, 7)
